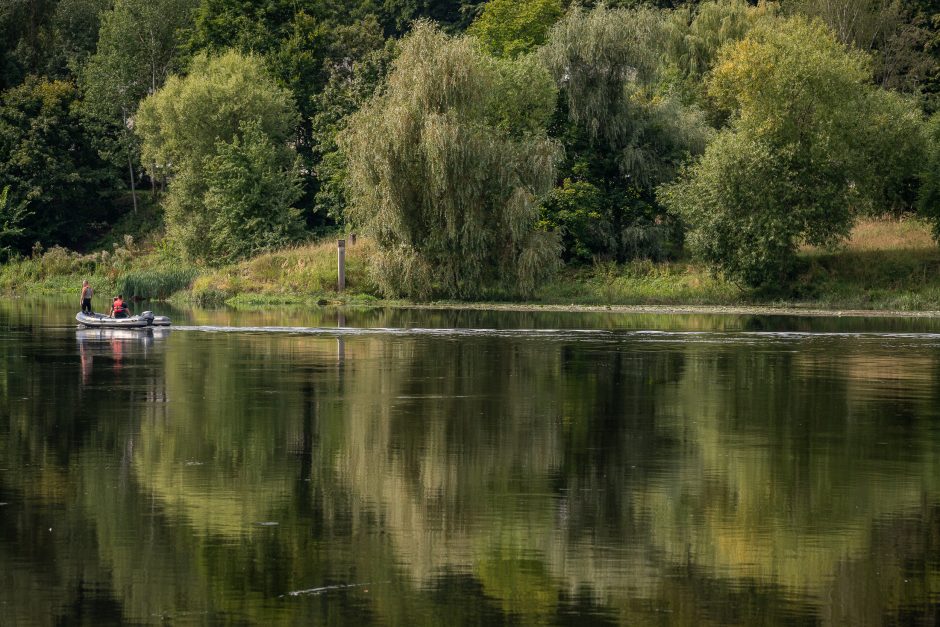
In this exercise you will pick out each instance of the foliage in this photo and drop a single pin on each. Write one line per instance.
(138, 48)
(452, 15)
(10, 223)
(642, 87)
(620, 139)
(576, 210)
(196, 128)
(695, 34)
(508, 28)
(348, 88)
(446, 167)
(304, 44)
(739, 202)
(75, 27)
(785, 171)
(252, 185)
(929, 198)
(602, 58)
(182, 123)
(47, 159)
(888, 29)
(890, 147)
(26, 36)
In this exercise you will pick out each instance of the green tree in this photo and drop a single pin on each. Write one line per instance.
(695, 34)
(57, 180)
(252, 184)
(621, 139)
(892, 31)
(304, 43)
(348, 88)
(26, 39)
(785, 171)
(50, 38)
(183, 127)
(138, 48)
(452, 15)
(75, 26)
(890, 148)
(576, 208)
(10, 223)
(508, 28)
(446, 168)
(929, 198)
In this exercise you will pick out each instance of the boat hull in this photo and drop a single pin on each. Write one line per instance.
(102, 321)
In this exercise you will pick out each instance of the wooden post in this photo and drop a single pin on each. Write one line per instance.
(352, 239)
(340, 265)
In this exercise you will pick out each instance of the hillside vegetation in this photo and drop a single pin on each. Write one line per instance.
(504, 150)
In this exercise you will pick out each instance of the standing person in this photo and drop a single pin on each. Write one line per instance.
(87, 293)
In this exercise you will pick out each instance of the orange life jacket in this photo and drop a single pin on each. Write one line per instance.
(119, 306)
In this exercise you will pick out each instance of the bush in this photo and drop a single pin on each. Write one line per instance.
(790, 168)
(58, 261)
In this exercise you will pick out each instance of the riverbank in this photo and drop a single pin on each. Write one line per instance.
(888, 267)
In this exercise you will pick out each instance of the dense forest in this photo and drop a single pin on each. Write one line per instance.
(479, 144)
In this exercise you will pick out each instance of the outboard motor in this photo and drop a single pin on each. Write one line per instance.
(148, 316)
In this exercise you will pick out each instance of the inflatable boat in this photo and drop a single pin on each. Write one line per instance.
(101, 321)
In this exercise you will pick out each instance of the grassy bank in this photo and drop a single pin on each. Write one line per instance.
(886, 265)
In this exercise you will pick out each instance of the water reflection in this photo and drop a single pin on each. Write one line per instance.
(465, 478)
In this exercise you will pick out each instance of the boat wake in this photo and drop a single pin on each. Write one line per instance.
(572, 334)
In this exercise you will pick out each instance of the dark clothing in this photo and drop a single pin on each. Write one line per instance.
(86, 305)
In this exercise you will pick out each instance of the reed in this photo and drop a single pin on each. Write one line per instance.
(155, 283)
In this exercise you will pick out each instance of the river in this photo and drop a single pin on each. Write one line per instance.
(468, 467)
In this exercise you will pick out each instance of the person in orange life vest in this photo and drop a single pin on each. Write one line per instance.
(118, 308)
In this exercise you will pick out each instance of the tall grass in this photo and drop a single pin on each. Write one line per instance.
(302, 271)
(155, 283)
(640, 283)
(886, 264)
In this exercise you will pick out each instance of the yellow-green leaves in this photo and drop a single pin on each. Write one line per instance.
(510, 28)
(795, 160)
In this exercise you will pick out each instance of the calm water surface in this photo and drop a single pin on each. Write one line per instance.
(407, 467)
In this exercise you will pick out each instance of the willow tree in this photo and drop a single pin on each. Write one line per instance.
(696, 33)
(447, 165)
(603, 58)
(622, 138)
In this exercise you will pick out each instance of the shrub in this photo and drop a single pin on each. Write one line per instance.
(58, 261)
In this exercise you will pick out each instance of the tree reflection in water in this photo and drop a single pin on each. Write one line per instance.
(723, 478)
